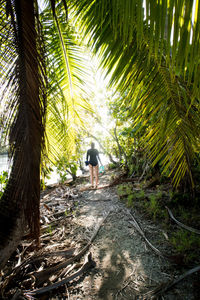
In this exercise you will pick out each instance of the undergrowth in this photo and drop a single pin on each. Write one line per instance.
(153, 203)
(186, 243)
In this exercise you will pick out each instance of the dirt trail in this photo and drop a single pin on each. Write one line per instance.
(125, 266)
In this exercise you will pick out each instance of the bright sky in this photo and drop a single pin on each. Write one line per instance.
(42, 5)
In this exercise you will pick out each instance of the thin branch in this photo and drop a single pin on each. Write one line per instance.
(137, 227)
(181, 224)
(160, 289)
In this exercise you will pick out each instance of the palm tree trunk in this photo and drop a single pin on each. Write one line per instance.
(19, 205)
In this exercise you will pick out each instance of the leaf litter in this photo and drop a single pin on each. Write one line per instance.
(93, 247)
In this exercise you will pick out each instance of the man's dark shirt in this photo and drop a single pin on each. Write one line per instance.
(93, 154)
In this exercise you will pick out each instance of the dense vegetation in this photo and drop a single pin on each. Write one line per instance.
(149, 50)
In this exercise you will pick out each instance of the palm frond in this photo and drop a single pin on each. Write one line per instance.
(174, 23)
(66, 97)
(162, 104)
(143, 73)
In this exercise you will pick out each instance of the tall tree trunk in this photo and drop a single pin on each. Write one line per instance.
(120, 148)
(19, 205)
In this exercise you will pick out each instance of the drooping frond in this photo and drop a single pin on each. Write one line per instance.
(142, 61)
(172, 132)
(175, 24)
(66, 71)
(163, 105)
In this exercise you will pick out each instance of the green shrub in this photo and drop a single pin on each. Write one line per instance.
(140, 195)
(130, 200)
(154, 206)
(67, 166)
(124, 190)
(112, 166)
(187, 243)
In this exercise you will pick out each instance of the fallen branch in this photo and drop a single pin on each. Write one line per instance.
(137, 227)
(66, 253)
(177, 259)
(42, 276)
(165, 287)
(32, 260)
(181, 224)
(88, 264)
(107, 185)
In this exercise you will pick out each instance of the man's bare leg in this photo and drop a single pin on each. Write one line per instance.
(96, 170)
(91, 175)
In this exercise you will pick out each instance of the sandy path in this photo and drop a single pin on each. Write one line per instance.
(125, 266)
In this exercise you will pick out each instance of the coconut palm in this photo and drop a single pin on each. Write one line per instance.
(24, 64)
(23, 75)
(23, 72)
(152, 49)
(150, 55)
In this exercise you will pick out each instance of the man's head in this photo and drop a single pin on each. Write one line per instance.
(92, 145)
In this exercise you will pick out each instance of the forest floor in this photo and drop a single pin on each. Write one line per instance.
(121, 266)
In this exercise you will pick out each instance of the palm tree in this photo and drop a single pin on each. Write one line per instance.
(149, 48)
(66, 71)
(24, 64)
(22, 68)
(152, 57)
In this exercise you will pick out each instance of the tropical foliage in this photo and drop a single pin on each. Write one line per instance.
(169, 28)
(149, 48)
(150, 56)
(66, 70)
